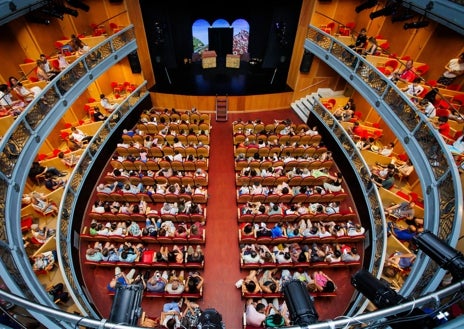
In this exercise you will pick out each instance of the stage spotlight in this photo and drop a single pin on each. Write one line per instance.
(376, 291)
(387, 11)
(402, 17)
(416, 25)
(33, 18)
(299, 303)
(78, 4)
(445, 256)
(366, 5)
(126, 304)
(53, 12)
(67, 10)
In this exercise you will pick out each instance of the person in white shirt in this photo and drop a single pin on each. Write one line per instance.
(79, 136)
(454, 68)
(414, 89)
(106, 104)
(427, 108)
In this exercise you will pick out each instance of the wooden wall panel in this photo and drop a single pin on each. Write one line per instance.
(276, 101)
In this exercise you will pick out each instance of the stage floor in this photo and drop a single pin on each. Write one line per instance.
(248, 79)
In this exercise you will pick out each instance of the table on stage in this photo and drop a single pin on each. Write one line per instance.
(233, 61)
(208, 59)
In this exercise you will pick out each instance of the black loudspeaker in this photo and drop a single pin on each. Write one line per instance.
(306, 62)
(299, 303)
(134, 62)
(126, 304)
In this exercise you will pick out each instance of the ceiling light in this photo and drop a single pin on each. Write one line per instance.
(416, 25)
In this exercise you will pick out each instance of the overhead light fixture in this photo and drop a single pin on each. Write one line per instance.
(78, 4)
(12, 6)
(299, 303)
(445, 256)
(402, 17)
(52, 12)
(376, 291)
(38, 19)
(416, 25)
(366, 5)
(387, 11)
(67, 10)
(382, 296)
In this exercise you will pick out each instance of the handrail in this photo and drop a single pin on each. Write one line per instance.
(22, 142)
(377, 219)
(440, 181)
(72, 189)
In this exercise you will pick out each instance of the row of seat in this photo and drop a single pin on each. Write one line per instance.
(312, 265)
(170, 139)
(159, 152)
(189, 239)
(155, 165)
(269, 128)
(278, 139)
(286, 166)
(173, 118)
(289, 199)
(276, 218)
(280, 295)
(274, 181)
(178, 128)
(151, 180)
(266, 151)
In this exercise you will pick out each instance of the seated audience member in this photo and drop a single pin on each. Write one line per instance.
(43, 204)
(458, 146)
(195, 255)
(249, 254)
(157, 283)
(453, 69)
(106, 104)
(403, 210)
(44, 261)
(94, 254)
(52, 183)
(387, 150)
(26, 94)
(194, 283)
(38, 170)
(250, 284)
(175, 285)
(304, 277)
(268, 283)
(402, 234)
(414, 89)
(69, 160)
(407, 74)
(443, 127)
(334, 184)
(97, 115)
(406, 168)
(120, 278)
(79, 136)
(386, 183)
(427, 107)
(350, 254)
(42, 74)
(401, 260)
(323, 282)
(191, 315)
(255, 313)
(354, 229)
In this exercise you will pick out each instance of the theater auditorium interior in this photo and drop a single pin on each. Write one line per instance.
(262, 164)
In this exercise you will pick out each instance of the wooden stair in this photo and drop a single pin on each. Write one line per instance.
(222, 106)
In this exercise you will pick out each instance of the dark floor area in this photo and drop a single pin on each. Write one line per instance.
(249, 79)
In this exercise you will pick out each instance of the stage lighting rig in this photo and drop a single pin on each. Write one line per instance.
(382, 296)
(416, 25)
(299, 303)
(78, 4)
(126, 304)
(387, 11)
(366, 5)
(445, 256)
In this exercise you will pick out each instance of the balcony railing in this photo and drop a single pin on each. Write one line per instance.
(20, 145)
(434, 164)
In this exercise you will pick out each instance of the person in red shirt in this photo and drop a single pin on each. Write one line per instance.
(444, 127)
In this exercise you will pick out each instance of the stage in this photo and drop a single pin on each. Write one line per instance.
(249, 79)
